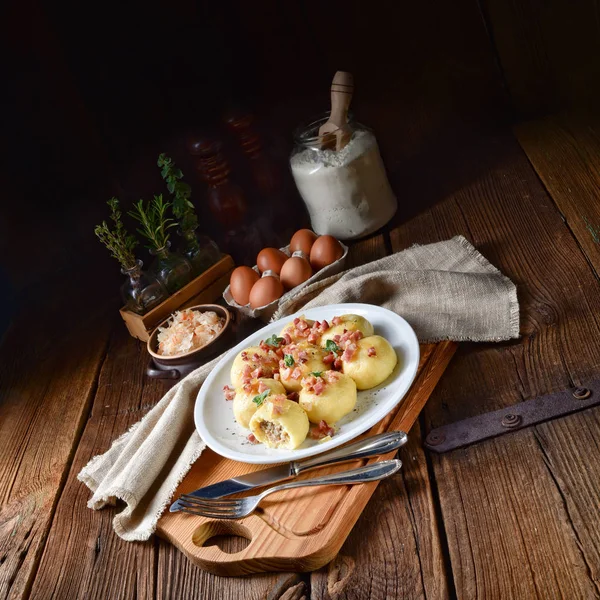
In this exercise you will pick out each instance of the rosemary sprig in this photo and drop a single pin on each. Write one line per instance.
(117, 240)
(183, 209)
(154, 221)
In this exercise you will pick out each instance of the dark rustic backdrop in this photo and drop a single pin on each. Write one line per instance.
(91, 95)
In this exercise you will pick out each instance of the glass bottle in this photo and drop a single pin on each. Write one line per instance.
(346, 192)
(141, 292)
(171, 269)
(199, 250)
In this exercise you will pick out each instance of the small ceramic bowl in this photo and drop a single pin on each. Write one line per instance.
(174, 367)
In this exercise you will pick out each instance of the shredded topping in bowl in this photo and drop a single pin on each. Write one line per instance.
(188, 330)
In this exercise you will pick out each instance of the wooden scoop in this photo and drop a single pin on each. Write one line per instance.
(336, 133)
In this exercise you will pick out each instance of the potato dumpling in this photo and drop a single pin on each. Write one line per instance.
(243, 403)
(280, 423)
(347, 323)
(371, 363)
(253, 363)
(298, 329)
(298, 361)
(328, 397)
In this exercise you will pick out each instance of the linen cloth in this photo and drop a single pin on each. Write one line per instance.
(446, 291)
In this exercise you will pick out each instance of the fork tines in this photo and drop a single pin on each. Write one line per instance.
(211, 507)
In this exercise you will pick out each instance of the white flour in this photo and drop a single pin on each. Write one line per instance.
(347, 193)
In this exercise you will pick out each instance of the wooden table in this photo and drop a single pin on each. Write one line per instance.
(513, 517)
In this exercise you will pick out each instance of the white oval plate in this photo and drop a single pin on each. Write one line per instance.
(217, 426)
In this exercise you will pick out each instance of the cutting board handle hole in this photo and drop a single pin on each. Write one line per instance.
(229, 536)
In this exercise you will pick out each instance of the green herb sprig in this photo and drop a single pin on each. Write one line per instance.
(118, 241)
(154, 221)
(258, 400)
(183, 209)
(274, 341)
(331, 346)
(288, 359)
(317, 373)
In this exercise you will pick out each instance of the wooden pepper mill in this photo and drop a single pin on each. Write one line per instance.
(226, 200)
(262, 169)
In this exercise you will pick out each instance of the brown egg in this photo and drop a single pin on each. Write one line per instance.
(270, 259)
(325, 251)
(265, 290)
(296, 270)
(303, 240)
(240, 283)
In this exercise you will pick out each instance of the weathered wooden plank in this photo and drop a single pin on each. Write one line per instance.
(365, 251)
(180, 578)
(83, 557)
(47, 385)
(548, 52)
(565, 152)
(500, 494)
(394, 550)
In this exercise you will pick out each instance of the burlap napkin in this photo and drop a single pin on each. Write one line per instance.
(445, 291)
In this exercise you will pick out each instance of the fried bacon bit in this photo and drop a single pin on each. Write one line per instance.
(296, 373)
(349, 337)
(302, 356)
(337, 338)
(320, 326)
(321, 430)
(258, 372)
(293, 396)
(315, 385)
(287, 338)
(300, 324)
(336, 320)
(277, 377)
(332, 376)
(337, 364)
(247, 387)
(264, 347)
(350, 351)
(256, 357)
(313, 338)
(229, 392)
(277, 405)
(262, 387)
(371, 351)
(252, 439)
(329, 358)
(244, 355)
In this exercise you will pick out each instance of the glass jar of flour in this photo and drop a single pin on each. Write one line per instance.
(346, 192)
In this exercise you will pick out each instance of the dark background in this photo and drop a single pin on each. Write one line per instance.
(93, 92)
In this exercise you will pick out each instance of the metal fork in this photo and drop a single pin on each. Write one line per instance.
(236, 508)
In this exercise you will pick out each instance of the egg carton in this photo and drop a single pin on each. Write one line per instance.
(264, 313)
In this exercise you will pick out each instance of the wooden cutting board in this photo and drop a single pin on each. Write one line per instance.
(300, 529)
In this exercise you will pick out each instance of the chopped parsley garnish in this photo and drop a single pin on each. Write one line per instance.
(288, 359)
(274, 341)
(258, 400)
(317, 373)
(331, 346)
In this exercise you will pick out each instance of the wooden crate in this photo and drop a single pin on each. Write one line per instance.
(206, 288)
